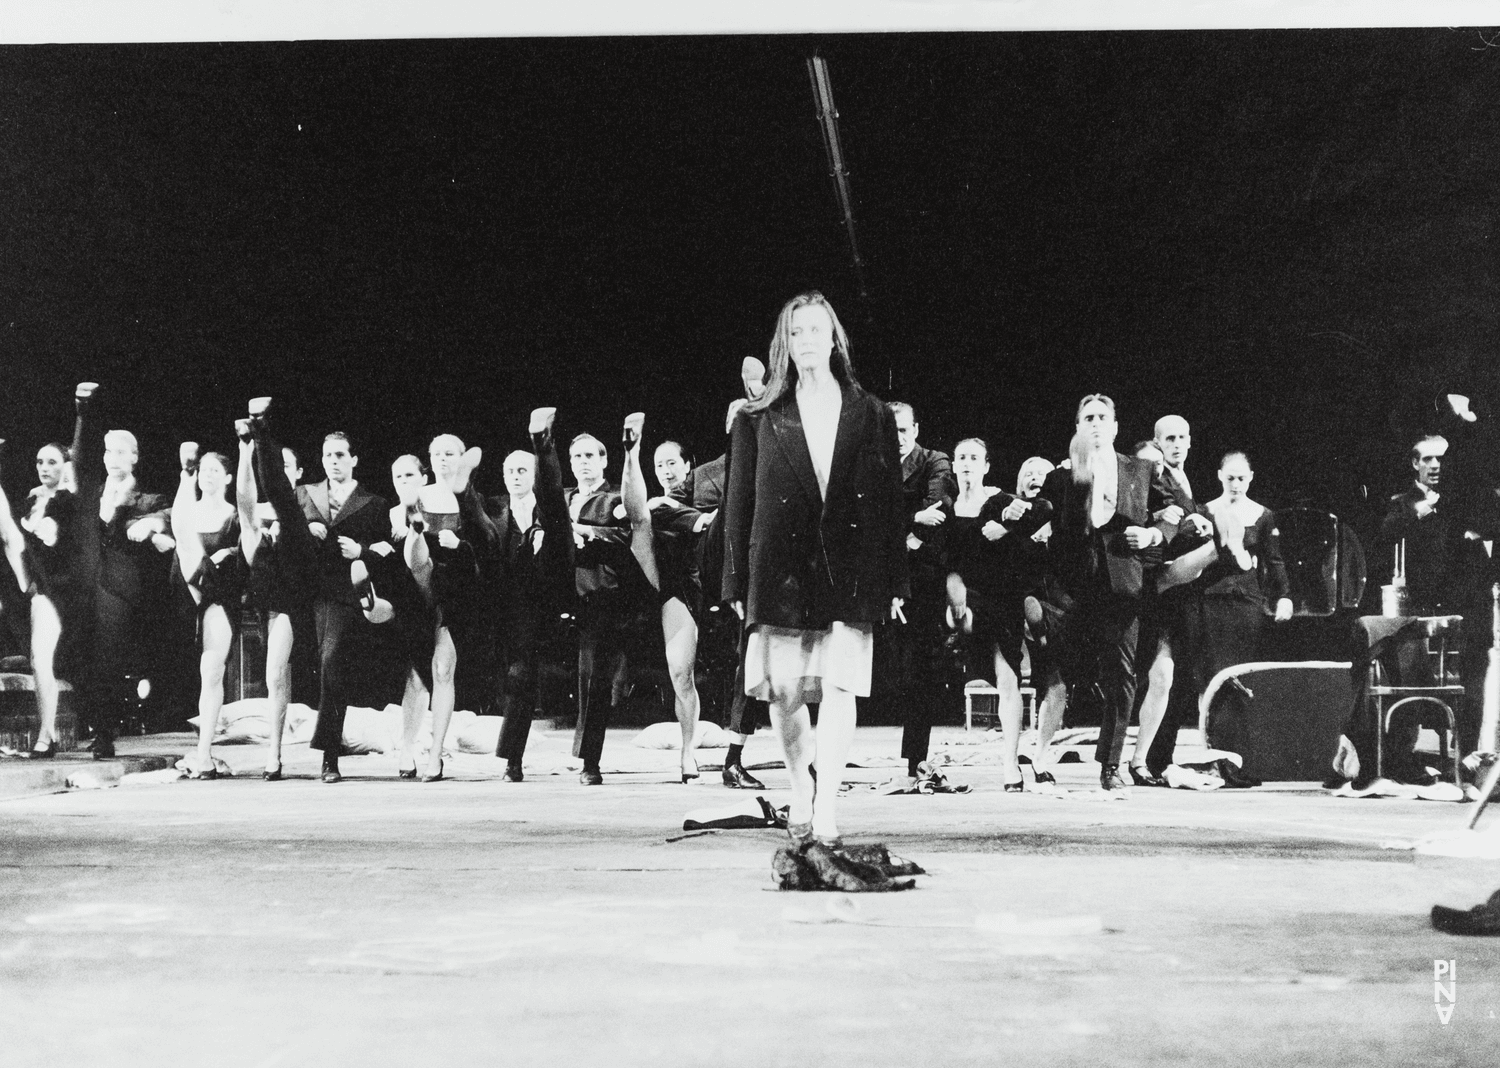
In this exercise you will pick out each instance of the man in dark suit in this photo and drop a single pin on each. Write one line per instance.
(534, 581)
(912, 652)
(120, 530)
(607, 611)
(346, 519)
(1108, 530)
(1169, 628)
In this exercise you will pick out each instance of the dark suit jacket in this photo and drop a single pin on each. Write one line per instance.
(708, 484)
(927, 480)
(605, 557)
(1429, 546)
(1142, 494)
(107, 556)
(795, 559)
(365, 518)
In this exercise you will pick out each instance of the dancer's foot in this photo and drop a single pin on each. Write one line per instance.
(635, 422)
(466, 465)
(541, 421)
(689, 767)
(415, 522)
(84, 393)
(1112, 782)
(591, 775)
(513, 771)
(259, 410)
(1141, 775)
(406, 765)
(434, 775)
(960, 616)
(331, 769)
(737, 778)
(375, 609)
(187, 456)
(242, 431)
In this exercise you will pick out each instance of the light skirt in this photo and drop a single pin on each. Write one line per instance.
(788, 666)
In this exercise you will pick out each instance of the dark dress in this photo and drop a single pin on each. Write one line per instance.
(52, 571)
(998, 576)
(222, 583)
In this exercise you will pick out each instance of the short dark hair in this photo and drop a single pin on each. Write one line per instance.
(1416, 449)
(339, 435)
(977, 441)
(680, 450)
(897, 407)
(1090, 399)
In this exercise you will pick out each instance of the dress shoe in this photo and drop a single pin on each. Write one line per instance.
(407, 773)
(1111, 781)
(1479, 920)
(1143, 777)
(1044, 778)
(1234, 778)
(434, 777)
(591, 776)
(209, 772)
(1017, 787)
(103, 748)
(272, 774)
(331, 771)
(513, 771)
(44, 754)
(737, 778)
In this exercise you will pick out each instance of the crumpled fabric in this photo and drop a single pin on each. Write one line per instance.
(812, 865)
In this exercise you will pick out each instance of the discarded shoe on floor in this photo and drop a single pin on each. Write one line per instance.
(811, 865)
(751, 812)
(1479, 920)
(932, 781)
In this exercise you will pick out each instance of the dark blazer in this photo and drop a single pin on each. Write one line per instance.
(604, 558)
(795, 559)
(365, 518)
(119, 565)
(1142, 494)
(927, 480)
(709, 483)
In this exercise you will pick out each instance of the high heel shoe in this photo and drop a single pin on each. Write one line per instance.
(541, 421)
(1017, 787)
(271, 775)
(407, 773)
(689, 776)
(84, 393)
(1143, 777)
(258, 409)
(635, 422)
(435, 778)
(43, 754)
(242, 430)
(187, 456)
(1044, 778)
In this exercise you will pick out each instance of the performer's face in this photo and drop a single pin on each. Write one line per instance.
(443, 455)
(119, 459)
(906, 432)
(1235, 477)
(1033, 474)
(49, 467)
(1429, 462)
(520, 474)
(970, 464)
(407, 477)
(587, 460)
(1097, 424)
(671, 469)
(338, 461)
(212, 478)
(812, 337)
(1150, 452)
(290, 465)
(1174, 439)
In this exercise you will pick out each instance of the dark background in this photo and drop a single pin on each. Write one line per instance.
(1283, 236)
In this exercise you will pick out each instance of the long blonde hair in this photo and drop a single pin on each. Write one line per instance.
(782, 373)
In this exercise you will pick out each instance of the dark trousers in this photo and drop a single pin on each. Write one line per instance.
(745, 712)
(603, 678)
(1100, 639)
(520, 692)
(334, 622)
(113, 650)
(915, 655)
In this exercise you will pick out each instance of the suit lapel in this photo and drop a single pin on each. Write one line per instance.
(786, 426)
(1131, 490)
(852, 417)
(357, 500)
(318, 494)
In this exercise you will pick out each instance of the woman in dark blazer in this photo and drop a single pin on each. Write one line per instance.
(814, 546)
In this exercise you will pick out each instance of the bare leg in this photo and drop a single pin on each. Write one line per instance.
(1187, 567)
(184, 507)
(46, 632)
(444, 660)
(244, 500)
(278, 680)
(633, 494)
(1049, 719)
(1154, 706)
(13, 540)
(836, 717)
(681, 632)
(419, 561)
(217, 636)
(1009, 706)
(794, 728)
(414, 701)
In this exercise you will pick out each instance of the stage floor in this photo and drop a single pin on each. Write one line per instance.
(474, 921)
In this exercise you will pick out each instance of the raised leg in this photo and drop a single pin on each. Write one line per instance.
(633, 494)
